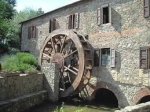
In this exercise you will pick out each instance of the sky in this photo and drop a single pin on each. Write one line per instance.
(46, 5)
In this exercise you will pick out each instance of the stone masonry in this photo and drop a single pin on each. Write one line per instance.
(51, 80)
(127, 32)
(19, 92)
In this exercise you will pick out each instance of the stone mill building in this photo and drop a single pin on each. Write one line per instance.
(105, 42)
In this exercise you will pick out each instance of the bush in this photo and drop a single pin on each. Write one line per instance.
(23, 62)
(3, 48)
(62, 109)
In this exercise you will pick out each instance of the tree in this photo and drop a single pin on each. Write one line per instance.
(6, 13)
(12, 2)
(23, 15)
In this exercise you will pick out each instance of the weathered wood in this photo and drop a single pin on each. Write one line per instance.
(73, 58)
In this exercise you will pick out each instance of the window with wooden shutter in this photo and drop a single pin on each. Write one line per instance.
(33, 31)
(67, 22)
(77, 20)
(113, 58)
(99, 16)
(104, 14)
(110, 14)
(146, 8)
(29, 32)
(73, 21)
(96, 57)
(52, 25)
(144, 54)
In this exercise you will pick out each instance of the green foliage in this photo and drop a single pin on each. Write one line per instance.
(3, 48)
(62, 109)
(6, 10)
(6, 13)
(15, 29)
(23, 62)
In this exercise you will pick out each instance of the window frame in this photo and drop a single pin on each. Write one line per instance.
(112, 61)
(146, 8)
(107, 57)
(147, 62)
(52, 25)
(31, 32)
(100, 19)
(73, 21)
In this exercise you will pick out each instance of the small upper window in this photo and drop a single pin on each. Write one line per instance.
(32, 32)
(104, 14)
(52, 25)
(73, 21)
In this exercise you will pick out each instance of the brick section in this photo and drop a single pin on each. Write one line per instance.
(114, 33)
(140, 94)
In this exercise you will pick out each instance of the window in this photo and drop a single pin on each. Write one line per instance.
(73, 21)
(144, 58)
(104, 14)
(96, 57)
(105, 56)
(52, 25)
(32, 32)
(146, 8)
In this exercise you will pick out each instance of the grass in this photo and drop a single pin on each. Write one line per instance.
(22, 62)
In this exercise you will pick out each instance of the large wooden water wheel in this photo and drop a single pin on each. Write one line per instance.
(73, 54)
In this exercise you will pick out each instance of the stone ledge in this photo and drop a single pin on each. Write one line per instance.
(143, 107)
(23, 103)
(13, 74)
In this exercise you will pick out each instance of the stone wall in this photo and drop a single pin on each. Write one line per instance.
(51, 80)
(14, 85)
(127, 32)
(19, 92)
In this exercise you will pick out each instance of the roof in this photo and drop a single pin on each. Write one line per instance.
(51, 11)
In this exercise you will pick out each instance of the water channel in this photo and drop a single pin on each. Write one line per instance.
(71, 106)
(105, 101)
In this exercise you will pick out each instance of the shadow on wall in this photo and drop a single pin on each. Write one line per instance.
(116, 20)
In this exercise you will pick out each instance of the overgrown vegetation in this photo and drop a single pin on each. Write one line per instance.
(62, 109)
(10, 29)
(22, 62)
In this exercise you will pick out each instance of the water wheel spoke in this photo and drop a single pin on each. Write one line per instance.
(69, 77)
(75, 69)
(68, 68)
(63, 82)
(70, 54)
(53, 45)
(47, 55)
(62, 45)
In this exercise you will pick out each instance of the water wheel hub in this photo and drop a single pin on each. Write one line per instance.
(59, 59)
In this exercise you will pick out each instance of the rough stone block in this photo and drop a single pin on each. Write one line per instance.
(51, 80)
